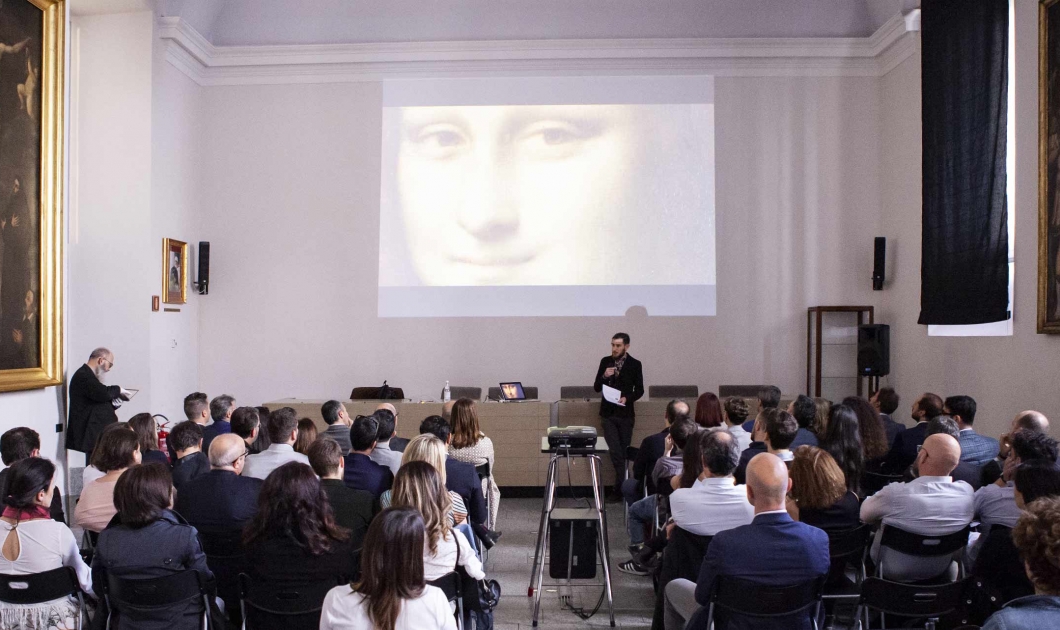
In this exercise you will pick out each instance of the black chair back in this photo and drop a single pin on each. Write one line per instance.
(922, 545)
(452, 585)
(753, 599)
(37, 588)
(848, 545)
(673, 391)
(483, 471)
(266, 605)
(682, 558)
(153, 597)
(911, 600)
(631, 453)
(873, 482)
(226, 558)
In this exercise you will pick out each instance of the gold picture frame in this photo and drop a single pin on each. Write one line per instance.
(174, 271)
(32, 181)
(1049, 167)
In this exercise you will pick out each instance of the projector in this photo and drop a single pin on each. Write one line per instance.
(564, 438)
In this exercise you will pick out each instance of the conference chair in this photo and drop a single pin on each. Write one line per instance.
(741, 391)
(931, 552)
(739, 597)
(267, 606)
(225, 557)
(682, 558)
(455, 393)
(372, 393)
(631, 456)
(494, 393)
(451, 585)
(136, 600)
(484, 473)
(924, 604)
(38, 588)
(846, 547)
(873, 482)
(673, 391)
(578, 392)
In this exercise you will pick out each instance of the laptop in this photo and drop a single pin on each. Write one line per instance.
(512, 391)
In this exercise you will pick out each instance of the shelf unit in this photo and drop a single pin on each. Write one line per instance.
(833, 323)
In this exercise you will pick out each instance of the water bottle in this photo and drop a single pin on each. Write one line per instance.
(445, 392)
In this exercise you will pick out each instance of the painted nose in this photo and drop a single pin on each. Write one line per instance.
(490, 212)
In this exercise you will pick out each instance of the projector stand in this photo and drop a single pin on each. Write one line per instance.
(593, 455)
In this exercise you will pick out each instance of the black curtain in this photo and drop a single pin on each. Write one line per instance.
(964, 273)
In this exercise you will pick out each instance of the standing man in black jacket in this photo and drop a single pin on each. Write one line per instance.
(92, 404)
(624, 373)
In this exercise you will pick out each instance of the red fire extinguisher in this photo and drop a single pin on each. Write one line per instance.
(163, 435)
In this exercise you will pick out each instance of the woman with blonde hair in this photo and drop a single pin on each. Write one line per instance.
(470, 445)
(427, 448)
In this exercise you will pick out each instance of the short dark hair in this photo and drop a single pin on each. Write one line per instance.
(219, 406)
(387, 422)
(672, 412)
(943, 424)
(623, 336)
(185, 435)
(736, 409)
(244, 421)
(114, 450)
(1028, 445)
(769, 396)
(721, 454)
(780, 427)
(25, 479)
(281, 423)
(681, 430)
(436, 426)
(930, 404)
(330, 411)
(364, 432)
(142, 494)
(887, 399)
(18, 443)
(1037, 478)
(324, 456)
(194, 403)
(805, 411)
(963, 406)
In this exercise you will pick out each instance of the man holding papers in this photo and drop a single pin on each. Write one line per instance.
(621, 381)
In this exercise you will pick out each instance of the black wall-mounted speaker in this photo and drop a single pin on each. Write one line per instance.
(878, 262)
(874, 350)
(204, 268)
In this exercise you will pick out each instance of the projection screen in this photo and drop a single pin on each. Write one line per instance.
(547, 197)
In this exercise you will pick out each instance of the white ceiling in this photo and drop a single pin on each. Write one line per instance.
(266, 22)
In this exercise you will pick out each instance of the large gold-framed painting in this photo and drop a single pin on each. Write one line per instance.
(1049, 166)
(31, 131)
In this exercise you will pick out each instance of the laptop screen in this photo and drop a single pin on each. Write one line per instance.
(512, 391)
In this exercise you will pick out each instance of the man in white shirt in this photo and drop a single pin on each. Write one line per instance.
(931, 504)
(382, 453)
(283, 431)
(714, 502)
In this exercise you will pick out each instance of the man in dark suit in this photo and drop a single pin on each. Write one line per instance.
(221, 409)
(361, 472)
(651, 449)
(773, 550)
(624, 373)
(975, 448)
(92, 404)
(885, 400)
(20, 443)
(190, 462)
(907, 443)
(353, 508)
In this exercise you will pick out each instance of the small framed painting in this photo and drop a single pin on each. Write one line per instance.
(174, 271)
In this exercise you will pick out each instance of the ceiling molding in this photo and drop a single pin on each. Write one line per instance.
(210, 65)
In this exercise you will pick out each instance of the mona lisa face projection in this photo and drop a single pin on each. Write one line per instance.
(565, 197)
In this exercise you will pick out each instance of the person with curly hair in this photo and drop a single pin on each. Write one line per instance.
(1037, 536)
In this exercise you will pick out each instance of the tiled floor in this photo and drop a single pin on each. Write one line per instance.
(511, 561)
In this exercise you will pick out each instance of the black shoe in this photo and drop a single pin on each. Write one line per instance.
(490, 539)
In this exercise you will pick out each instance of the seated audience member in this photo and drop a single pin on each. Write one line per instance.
(735, 410)
(820, 420)
(1033, 421)
(842, 440)
(382, 454)
(804, 410)
(870, 428)
(283, 433)
(293, 539)
(339, 422)
(246, 423)
(768, 398)
(819, 494)
(671, 464)
(149, 540)
(903, 452)
(143, 424)
(33, 542)
(392, 592)
(361, 472)
(885, 401)
(307, 434)
(1037, 538)
(708, 411)
(221, 409)
(396, 444)
(651, 449)
(995, 504)
(191, 462)
(18, 444)
(221, 500)
(353, 509)
(965, 471)
(263, 442)
(772, 550)
(197, 410)
(470, 445)
(931, 504)
(714, 502)
(418, 485)
(975, 449)
(775, 429)
(427, 448)
(118, 451)
(92, 472)
(998, 565)
(460, 477)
